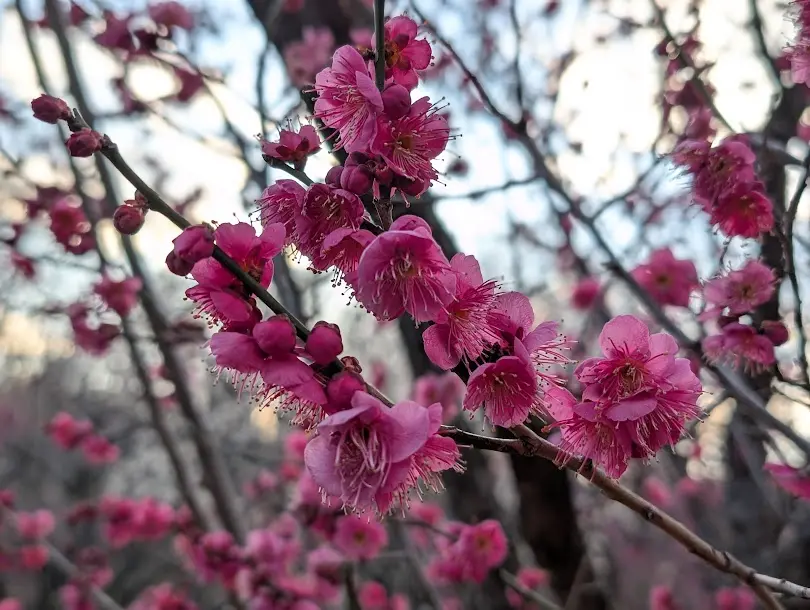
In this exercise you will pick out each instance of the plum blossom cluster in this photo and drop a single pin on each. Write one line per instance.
(730, 297)
(726, 186)
(684, 88)
(71, 434)
(635, 400)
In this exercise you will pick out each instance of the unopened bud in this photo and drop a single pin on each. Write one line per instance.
(356, 179)
(177, 265)
(194, 243)
(324, 343)
(84, 143)
(128, 219)
(396, 101)
(333, 176)
(50, 109)
(776, 331)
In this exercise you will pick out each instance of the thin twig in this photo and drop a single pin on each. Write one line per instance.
(686, 62)
(541, 601)
(379, 44)
(788, 228)
(759, 34)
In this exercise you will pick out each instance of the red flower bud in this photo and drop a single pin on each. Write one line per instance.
(128, 219)
(324, 343)
(177, 265)
(776, 331)
(356, 179)
(50, 109)
(84, 143)
(333, 176)
(194, 243)
(396, 101)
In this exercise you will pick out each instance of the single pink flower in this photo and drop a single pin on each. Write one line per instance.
(404, 269)
(282, 202)
(585, 293)
(477, 550)
(98, 450)
(635, 399)
(264, 361)
(66, 431)
(410, 144)
(439, 453)
(11, 603)
(120, 296)
(743, 210)
(325, 209)
(363, 453)
(739, 292)
(218, 294)
(152, 520)
(657, 491)
(342, 250)
(359, 537)
(35, 525)
(531, 579)
(293, 147)
(738, 598)
(33, 557)
(669, 280)
(447, 389)
(404, 54)
(305, 57)
(740, 345)
(462, 330)
(506, 389)
(348, 99)
(661, 598)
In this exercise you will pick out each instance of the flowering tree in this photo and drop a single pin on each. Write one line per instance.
(667, 328)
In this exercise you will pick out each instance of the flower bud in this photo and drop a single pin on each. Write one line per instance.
(194, 243)
(356, 179)
(128, 219)
(50, 109)
(333, 176)
(776, 331)
(324, 343)
(84, 143)
(275, 336)
(340, 390)
(396, 101)
(177, 265)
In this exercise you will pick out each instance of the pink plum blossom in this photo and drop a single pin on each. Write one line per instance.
(359, 537)
(405, 270)
(668, 280)
(364, 453)
(293, 147)
(348, 99)
(635, 399)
